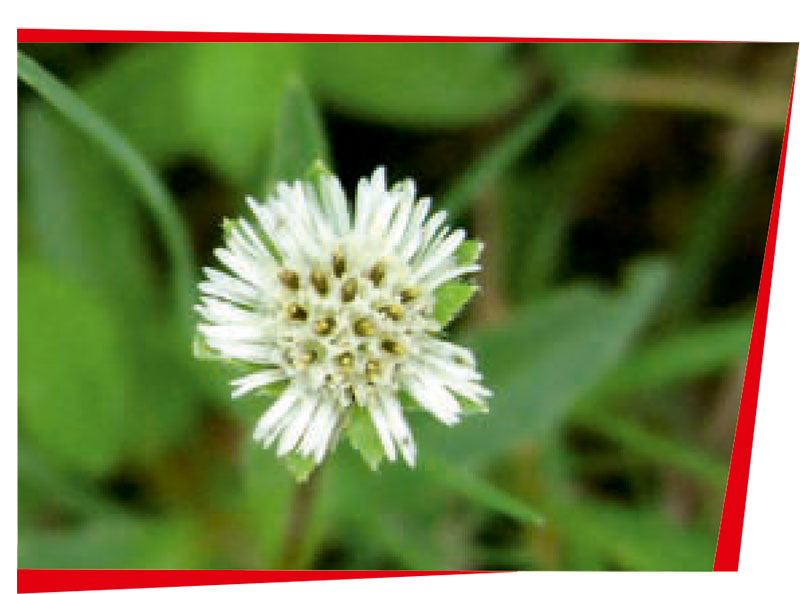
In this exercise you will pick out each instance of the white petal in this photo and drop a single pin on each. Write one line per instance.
(444, 274)
(327, 437)
(399, 428)
(232, 332)
(275, 414)
(439, 255)
(250, 382)
(228, 287)
(382, 428)
(319, 429)
(434, 398)
(333, 198)
(297, 426)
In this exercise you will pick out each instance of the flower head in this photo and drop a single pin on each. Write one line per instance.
(343, 309)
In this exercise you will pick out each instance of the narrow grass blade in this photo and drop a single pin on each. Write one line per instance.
(662, 450)
(501, 155)
(480, 491)
(155, 195)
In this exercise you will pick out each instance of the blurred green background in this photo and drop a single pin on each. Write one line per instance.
(623, 192)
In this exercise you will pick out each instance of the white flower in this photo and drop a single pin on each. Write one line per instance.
(340, 308)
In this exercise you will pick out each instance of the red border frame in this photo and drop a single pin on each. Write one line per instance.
(731, 523)
(729, 541)
(31, 581)
(119, 36)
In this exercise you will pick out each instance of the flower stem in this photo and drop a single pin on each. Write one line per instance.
(297, 528)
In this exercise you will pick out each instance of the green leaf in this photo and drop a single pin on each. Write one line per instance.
(543, 360)
(77, 204)
(72, 371)
(364, 438)
(572, 62)
(151, 191)
(451, 297)
(300, 466)
(683, 355)
(468, 252)
(233, 91)
(115, 542)
(441, 85)
(72, 205)
(142, 91)
(216, 101)
(299, 137)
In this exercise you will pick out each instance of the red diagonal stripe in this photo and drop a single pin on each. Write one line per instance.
(64, 580)
(118, 36)
(729, 542)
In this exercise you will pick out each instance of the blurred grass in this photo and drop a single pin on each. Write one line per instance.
(154, 194)
(625, 203)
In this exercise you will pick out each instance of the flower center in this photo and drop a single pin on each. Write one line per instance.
(350, 327)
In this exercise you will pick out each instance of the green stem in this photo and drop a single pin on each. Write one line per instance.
(750, 105)
(296, 535)
(154, 194)
(501, 155)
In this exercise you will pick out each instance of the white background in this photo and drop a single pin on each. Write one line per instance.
(772, 522)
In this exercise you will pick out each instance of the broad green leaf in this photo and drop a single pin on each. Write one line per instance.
(72, 372)
(213, 100)
(115, 542)
(142, 91)
(73, 205)
(451, 297)
(579, 334)
(127, 159)
(441, 85)
(299, 137)
(84, 222)
(364, 438)
(540, 362)
(571, 62)
(683, 355)
(233, 91)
